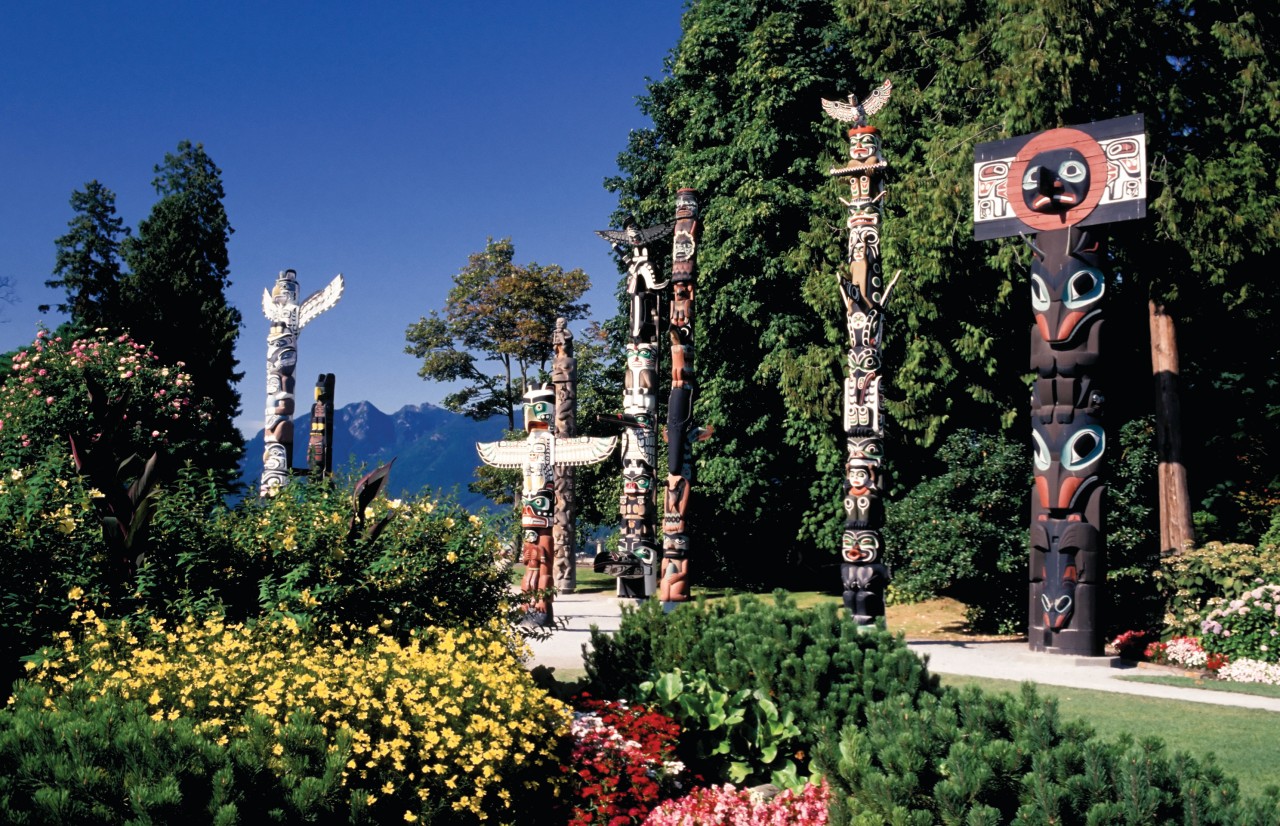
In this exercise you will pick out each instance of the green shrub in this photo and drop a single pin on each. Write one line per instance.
(968, 757)
(816, 667)
(740, 737)
(146, 406)
(963, 533)
(1247, 627)
(1193, 578)
(446, 726)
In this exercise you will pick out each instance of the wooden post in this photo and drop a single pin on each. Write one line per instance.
(1176, 531)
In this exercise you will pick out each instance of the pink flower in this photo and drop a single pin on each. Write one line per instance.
(48, 399)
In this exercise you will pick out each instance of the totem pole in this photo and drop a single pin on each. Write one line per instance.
(538, 456)
(636, 561)
(288, 317)
(864, 295)
(1061, 185)
(674, 587)
(564, 375)
(320, 444)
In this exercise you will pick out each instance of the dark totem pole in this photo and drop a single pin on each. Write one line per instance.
(564, 375)
(636, 561)
(674, 586)
(1060, 185)
(538, 456)
(864, 294)
(320, 443)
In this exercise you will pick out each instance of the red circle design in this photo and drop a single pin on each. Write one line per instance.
(1063, 138)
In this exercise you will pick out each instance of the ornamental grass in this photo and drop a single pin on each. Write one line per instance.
(446, 724)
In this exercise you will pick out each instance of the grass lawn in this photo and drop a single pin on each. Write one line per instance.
(1244, 741)
(1257, 689)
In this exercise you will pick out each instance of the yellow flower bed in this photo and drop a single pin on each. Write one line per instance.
(450, 717)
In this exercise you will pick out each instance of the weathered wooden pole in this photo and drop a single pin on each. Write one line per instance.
(564, 375)
(1060, 184)
(864, 295)
(1176, 530)
(288, 317)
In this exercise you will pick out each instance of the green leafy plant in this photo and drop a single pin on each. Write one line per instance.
(739, 737)
(1247, 627)
(1197, 576)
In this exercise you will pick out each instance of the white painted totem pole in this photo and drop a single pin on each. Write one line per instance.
(538, 456)
(635, 563)
(288, 317)
(865, 295)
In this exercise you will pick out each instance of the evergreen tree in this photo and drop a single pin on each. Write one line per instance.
(87, 265)
(736, 115)
(175, 293)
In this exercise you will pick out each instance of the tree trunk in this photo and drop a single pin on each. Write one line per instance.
(1176, 533)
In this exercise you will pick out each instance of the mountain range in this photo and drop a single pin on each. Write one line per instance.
(433, 447)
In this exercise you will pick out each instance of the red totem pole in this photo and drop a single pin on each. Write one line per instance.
(674, 587)
(864, 295)
(1060, 185)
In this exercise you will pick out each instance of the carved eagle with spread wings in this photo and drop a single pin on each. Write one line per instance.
(632, 235)
(856, 113)
(315, 304)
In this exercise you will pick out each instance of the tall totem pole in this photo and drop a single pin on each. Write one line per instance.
(564, 375)
(674, 586)
(864, 295)
(288, 317)
(1060, 185)
(636, 562)
(538, 456)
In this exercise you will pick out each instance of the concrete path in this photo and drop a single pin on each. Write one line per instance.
(997, 660)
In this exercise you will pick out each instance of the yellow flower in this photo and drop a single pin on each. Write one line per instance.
(410, 816)
(75, 593)
(388, 788)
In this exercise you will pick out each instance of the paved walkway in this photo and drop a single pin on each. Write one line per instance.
(998, 660)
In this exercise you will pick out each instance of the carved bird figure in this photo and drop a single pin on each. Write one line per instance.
(856, 113)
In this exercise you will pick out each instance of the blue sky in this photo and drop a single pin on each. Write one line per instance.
(385, 141)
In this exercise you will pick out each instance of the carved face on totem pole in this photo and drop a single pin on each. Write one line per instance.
(1067, 462)
(858, 545)
(1066, 300)
(1055, 181)
(864, 146)
(539, 408)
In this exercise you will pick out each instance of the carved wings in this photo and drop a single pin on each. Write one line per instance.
(584, 450)
(857, 113)
(317, 303)
(503, 454)
(580, 450)
(633, 236)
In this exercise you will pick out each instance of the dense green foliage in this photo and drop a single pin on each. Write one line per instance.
(975, 758)
(815, 666)
(736, 116)
(1216, 571)
(897, 748)
(172, 295)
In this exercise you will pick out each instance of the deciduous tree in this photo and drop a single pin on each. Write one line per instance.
(500, 315)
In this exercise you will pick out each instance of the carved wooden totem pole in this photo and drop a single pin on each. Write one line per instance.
(538, 456)
(864, 295)
(636, 561)
(564, 375)
(674, 586)
(320, 443)
(288, 317)
(1061, 185)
